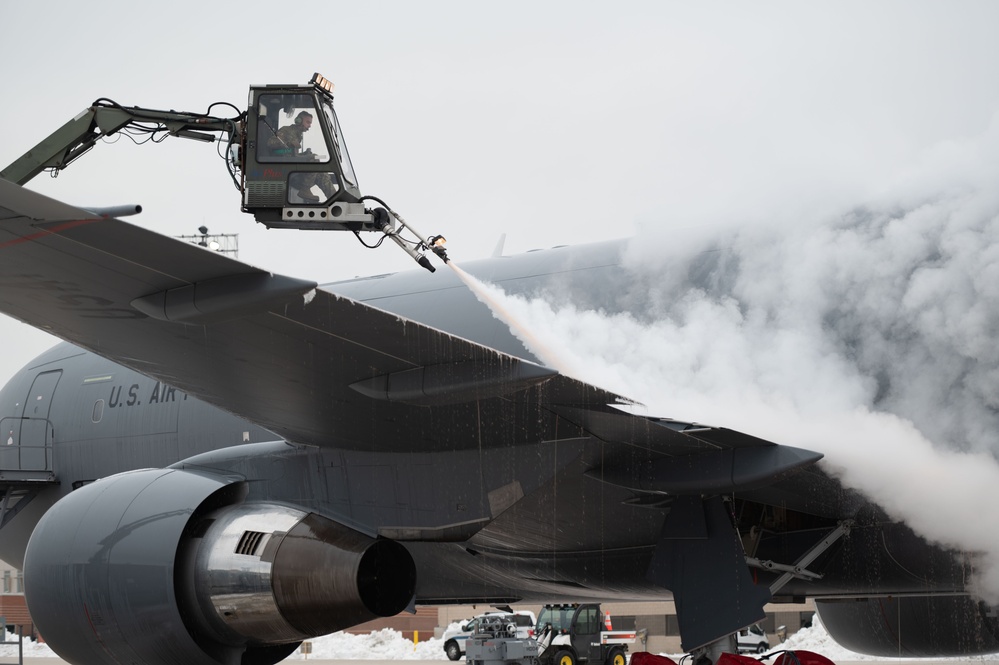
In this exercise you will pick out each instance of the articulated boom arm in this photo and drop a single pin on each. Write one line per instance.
(106, 118)
(285, 153)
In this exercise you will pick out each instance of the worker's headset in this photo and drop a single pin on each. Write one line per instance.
(298, 118)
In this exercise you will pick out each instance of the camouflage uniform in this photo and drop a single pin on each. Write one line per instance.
(287, 142)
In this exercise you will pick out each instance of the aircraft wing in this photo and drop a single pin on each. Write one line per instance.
(317, 368)
(311, 366)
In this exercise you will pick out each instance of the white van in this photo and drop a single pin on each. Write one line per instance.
(455, 637)
(753, 640)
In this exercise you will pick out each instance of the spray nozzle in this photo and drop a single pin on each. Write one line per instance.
(436, 244)
(425, 262)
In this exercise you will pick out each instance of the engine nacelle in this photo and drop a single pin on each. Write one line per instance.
(168, 566)
(265, 569)
(912, 627)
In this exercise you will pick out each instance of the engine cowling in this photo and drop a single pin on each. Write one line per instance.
(167, 566)
(912, 627)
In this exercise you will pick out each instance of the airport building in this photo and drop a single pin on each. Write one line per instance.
(13, 611)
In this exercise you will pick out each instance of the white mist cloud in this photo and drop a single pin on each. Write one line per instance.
(868, 335)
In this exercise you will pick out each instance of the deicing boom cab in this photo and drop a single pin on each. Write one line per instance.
(298, 173)
(286, 154)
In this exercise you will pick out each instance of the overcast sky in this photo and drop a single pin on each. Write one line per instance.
(550, 122)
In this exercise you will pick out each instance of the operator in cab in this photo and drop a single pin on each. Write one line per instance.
(287, 143)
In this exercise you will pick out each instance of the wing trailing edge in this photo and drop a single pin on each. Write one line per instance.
(714, 471)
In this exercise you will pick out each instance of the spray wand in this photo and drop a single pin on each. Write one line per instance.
(390, 223)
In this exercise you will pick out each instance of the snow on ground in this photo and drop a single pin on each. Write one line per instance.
(385, 644)
(388, 644)
(817, 640)
(31, 649)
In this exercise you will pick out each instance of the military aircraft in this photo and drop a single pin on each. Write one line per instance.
(221, 462)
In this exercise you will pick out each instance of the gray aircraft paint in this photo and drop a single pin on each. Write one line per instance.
(502, 499)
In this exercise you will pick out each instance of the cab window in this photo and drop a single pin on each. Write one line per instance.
(289, 130)
(588, 621)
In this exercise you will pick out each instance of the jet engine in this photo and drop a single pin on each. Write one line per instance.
(912, 627)
(166, 566)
